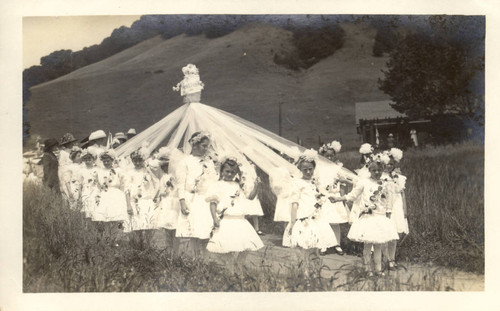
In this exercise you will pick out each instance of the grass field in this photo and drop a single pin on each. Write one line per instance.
(63, 252)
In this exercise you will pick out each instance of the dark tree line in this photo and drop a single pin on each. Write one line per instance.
(436, 68)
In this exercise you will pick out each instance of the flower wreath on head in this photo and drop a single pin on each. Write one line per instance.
(225, 158)
(143, 152)
(366, 149)
(334, 145)
(137, 154)
(396, 154)
(309, 155)
(199, 137)
(163, 153)
(92, 151)
(381, 158)
(108, 153)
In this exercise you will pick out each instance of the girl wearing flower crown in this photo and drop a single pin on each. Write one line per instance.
(194, 175)
(112, 209)
(307, 228)
(366, 151)
(231, 233)
(373, 227)
(335, 213)
(168, 209)
(399, 212)
(89, 181)
(141, 188)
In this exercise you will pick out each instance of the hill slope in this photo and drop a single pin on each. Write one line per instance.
(134, 87)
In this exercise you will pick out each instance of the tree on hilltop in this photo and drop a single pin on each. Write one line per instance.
(438, 71)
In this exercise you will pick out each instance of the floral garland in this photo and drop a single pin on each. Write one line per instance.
(376, 198)
(199, 137)
(221, 214)
(199, 178)
(334, 145)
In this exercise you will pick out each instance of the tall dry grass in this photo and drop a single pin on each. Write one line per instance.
(64, 252)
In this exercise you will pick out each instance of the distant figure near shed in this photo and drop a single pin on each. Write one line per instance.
(390, 141)
(413, 136)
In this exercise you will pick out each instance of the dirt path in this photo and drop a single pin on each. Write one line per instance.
(283, 260)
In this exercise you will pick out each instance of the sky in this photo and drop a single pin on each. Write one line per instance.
(46, 34)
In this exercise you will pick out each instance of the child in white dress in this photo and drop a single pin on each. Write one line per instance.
(231, 233)
(278, 180)
(194, 174)
(141, 188)
(366, 151)
(307, 228)
(168, 209)
(330, 179)
(89, 181)
(399, 212)
(373, 227)
(112, 209)
(70, 179)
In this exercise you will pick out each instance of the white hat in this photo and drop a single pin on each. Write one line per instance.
(131, 131)
(97, 135)
(120, 135)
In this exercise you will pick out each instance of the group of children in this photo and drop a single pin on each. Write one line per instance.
(207, 200)
(315, 205)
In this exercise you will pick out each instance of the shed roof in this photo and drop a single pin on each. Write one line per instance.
(376, 110)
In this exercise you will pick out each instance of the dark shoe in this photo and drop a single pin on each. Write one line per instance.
(322, 253)
(339, 250)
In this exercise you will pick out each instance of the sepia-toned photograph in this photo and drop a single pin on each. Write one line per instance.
(253, 153)
(248, 155)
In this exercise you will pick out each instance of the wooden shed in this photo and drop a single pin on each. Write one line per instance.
(377, 119)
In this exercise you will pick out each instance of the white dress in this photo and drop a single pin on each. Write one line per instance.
(90, 190)
(169, 207)
(64, 162)
(280, 181)
(374, 227)
(397, 215)
(253, 207)
(356, 204)
(194, 175)
(334, 213)
(140, 184)
(113, 204)
(71, 176)
(235, 233)
(29, 172)
(310, 230)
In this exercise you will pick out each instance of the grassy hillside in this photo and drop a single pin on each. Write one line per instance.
(134, 87)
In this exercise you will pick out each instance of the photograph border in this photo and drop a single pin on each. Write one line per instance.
(11, 294)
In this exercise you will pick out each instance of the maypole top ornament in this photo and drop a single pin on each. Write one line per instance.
(191, 86)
